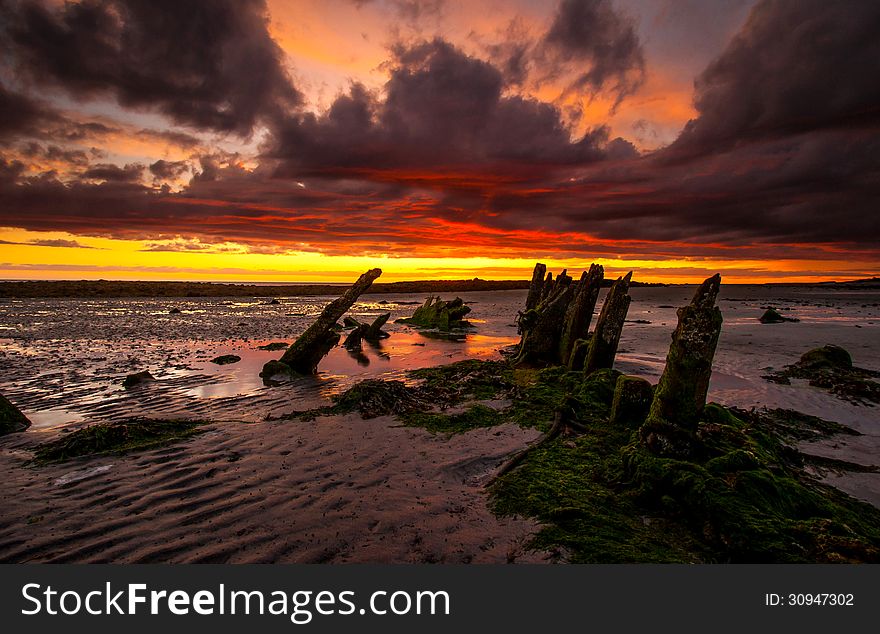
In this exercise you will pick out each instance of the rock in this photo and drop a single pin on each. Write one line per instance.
(609, 326)
(226, 359)
(771, 316)
(11, 418)
(319, 338)
(831, 368)
(138, 378)
(174, 311)
(272, 302)
(829, 356)
(632, 400)
(680, 396)
(439, 314)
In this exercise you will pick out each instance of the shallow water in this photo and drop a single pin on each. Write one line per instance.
(63, 360)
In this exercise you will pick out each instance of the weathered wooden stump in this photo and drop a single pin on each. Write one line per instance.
(542, 329)
(370, 332)
(536, 287)
(632, 400)
(606, 337)
(307, 351)
(680, 396)
(580, 311)
(552, 328)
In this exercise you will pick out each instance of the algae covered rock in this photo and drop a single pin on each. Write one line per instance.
(831, 368)
(138, 378)
(632, 400)
(440, 314)
(11, 418)
(829, 356)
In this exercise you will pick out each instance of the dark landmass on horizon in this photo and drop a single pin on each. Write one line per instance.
(111, 288)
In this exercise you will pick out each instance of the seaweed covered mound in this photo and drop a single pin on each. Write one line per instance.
(374, 398)
(745, 495)
(113, 438)
(831, 367)
(436, 313)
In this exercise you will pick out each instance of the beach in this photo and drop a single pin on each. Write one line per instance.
(255, 487)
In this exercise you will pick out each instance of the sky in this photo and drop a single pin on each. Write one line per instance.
(310, 140)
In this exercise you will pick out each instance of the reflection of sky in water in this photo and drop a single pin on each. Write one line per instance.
(63, 359)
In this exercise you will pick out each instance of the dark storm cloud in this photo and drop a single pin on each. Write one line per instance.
(796, 66)
(20, 115)
(784, 153)
(54, 153)
(169, 169)
(111, 172)
(592, 33)
(207, 64)
(440, 108)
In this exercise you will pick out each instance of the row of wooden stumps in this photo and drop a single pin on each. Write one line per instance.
(556, 322)
(555, 331)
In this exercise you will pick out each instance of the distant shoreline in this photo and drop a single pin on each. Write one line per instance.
(121, 289)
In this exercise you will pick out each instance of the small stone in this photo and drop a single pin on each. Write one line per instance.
(138, 378)
(11, 418)
(226, 359)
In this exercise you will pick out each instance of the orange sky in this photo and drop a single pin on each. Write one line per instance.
(266, 215)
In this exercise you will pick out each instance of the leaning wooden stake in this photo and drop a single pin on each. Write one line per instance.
(680, 396)
(307, 351)
(606, 337)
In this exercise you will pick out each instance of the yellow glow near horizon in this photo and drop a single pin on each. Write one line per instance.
(104, 258)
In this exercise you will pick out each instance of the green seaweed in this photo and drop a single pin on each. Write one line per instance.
(746, 496)
(114, 438)
(474, 417)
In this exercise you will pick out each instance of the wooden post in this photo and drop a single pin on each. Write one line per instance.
(307, 351)
(606, 337)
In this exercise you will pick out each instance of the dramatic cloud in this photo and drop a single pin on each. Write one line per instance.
(110, 172)
(440, 109)
(448, 155)
(207, 64)
(169, 169)
(795, 67)
(594, 34)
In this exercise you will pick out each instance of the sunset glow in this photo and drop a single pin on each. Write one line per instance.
(435, 139)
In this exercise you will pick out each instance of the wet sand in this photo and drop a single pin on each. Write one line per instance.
(337, 490)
